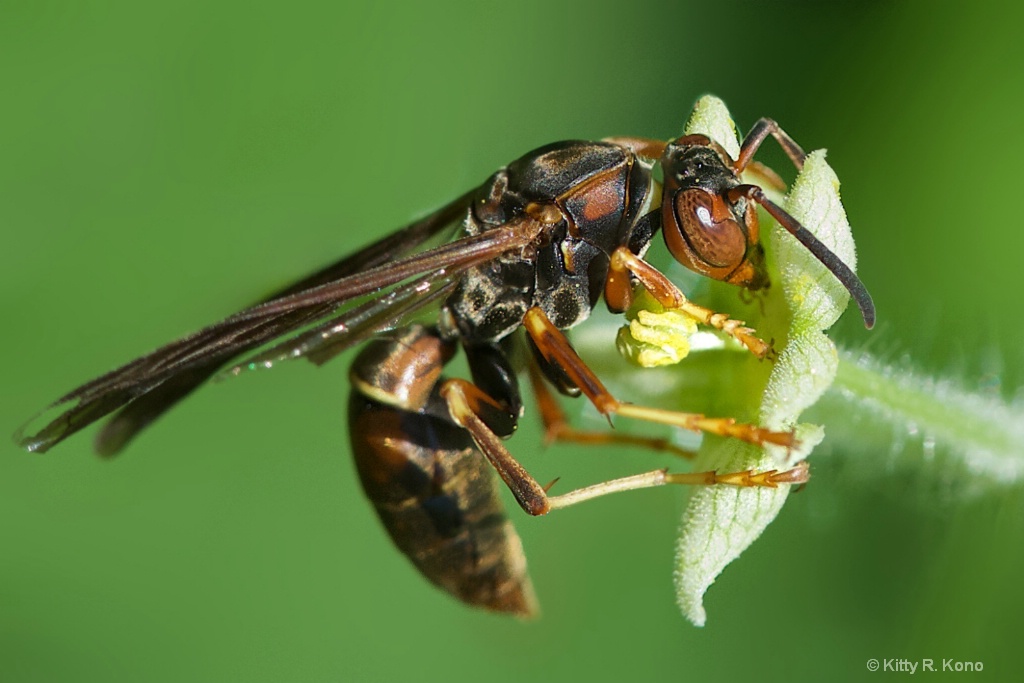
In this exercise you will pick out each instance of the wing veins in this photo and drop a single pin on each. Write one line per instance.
(147, 386)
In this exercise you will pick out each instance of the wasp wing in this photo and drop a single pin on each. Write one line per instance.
(146, 387)
(386, 249)
(332, 336)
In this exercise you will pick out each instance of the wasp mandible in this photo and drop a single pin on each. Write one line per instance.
(537, 245)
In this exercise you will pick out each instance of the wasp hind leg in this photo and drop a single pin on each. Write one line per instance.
(469, 407)
(482, 416)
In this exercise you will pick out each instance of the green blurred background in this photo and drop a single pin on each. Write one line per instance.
(161, 165)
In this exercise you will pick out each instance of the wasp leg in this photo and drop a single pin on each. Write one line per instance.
(557, 350)
(492, 413)
(462, 398)
(766, 177)
(645, 147)
(619, 294)
(758, 133)
(557, 427)
(747, 478)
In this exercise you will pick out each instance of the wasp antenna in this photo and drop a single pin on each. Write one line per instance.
(842, 271)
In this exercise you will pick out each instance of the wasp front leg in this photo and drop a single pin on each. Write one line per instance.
(619, 295)
(757, 134)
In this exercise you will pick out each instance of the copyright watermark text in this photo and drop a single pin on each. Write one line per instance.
(926, 665)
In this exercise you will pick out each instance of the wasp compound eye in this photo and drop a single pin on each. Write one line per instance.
(702, 233)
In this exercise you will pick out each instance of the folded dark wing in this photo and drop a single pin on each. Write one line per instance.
(148, 386)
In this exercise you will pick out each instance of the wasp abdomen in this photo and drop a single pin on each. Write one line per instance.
(435, 493)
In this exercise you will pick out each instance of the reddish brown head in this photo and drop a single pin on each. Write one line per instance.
(706, 229)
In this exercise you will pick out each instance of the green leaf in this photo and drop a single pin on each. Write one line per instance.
(721, 522)
(815, 296)
(711, 117)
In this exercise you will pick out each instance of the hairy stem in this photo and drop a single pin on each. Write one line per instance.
(972, 440)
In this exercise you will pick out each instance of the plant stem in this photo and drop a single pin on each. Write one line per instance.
(931, 425)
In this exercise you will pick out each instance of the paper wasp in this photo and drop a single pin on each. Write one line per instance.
(538, 244)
